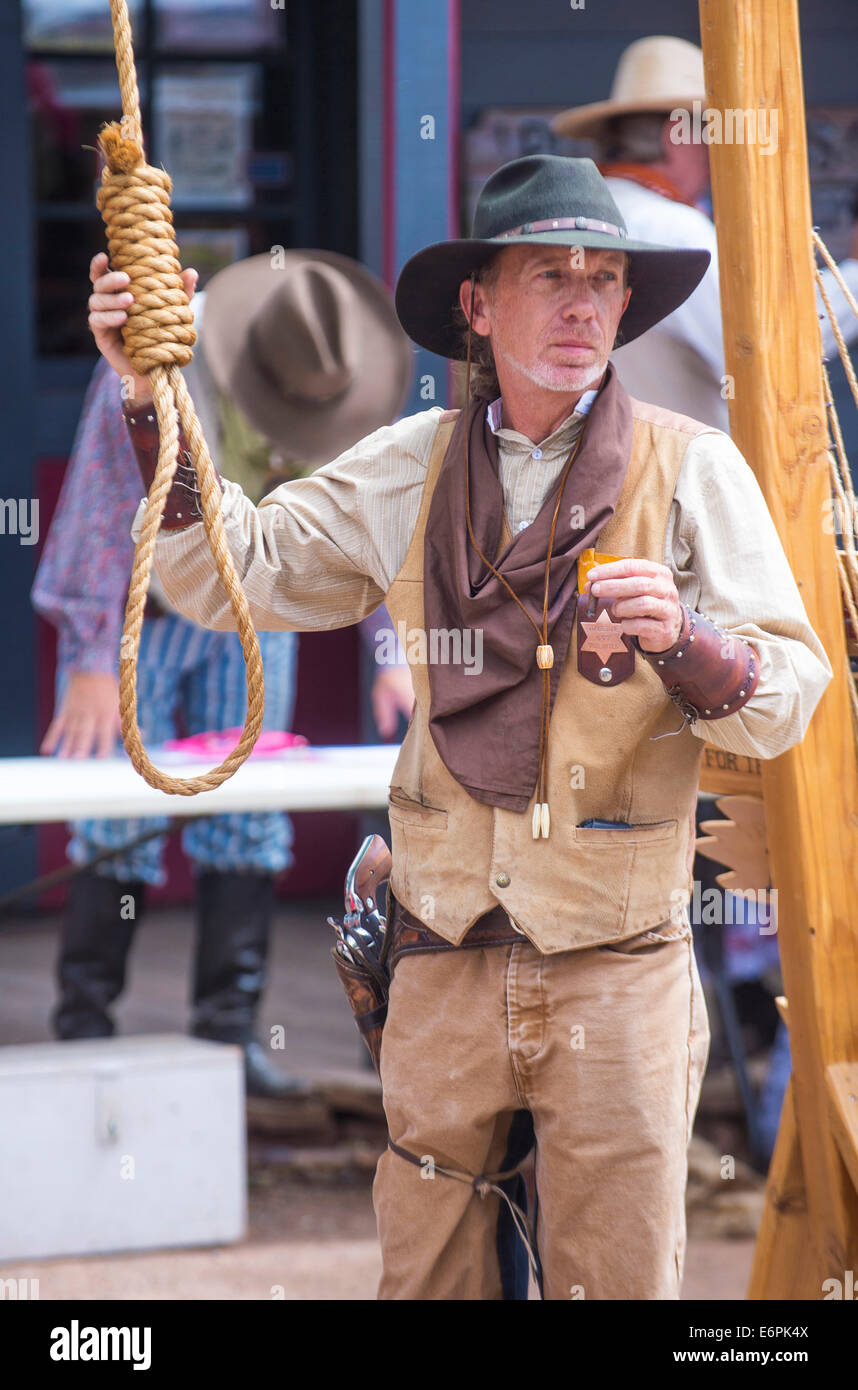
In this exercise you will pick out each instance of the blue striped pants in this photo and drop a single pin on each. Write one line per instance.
(185, 666)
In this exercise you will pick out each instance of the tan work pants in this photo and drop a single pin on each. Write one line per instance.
(606, 1047)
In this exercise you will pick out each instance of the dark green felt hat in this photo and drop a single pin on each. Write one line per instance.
(545, 200)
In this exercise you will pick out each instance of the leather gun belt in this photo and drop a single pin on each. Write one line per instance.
(409, 934)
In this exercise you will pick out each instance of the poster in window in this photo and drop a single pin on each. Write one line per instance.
(203, 128)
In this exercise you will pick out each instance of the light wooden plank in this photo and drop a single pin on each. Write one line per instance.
(842, 1079)
(784, 1265)
(724, 774)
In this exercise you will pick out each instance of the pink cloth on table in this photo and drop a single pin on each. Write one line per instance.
(220, 742)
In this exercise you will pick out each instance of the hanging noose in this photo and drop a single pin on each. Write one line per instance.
(134, 201)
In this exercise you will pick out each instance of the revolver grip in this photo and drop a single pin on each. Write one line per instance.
(373, 867)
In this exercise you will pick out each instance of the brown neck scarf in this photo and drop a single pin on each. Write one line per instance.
(485, 720)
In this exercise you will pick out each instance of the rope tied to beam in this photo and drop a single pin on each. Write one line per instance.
(158, 337)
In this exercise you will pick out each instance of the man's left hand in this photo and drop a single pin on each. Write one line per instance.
(643, 597)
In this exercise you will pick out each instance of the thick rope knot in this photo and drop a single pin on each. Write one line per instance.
(122, 152)
(134, 200)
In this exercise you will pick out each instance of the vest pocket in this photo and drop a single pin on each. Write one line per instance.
(418, 842)
(643, 833)
(404, 808)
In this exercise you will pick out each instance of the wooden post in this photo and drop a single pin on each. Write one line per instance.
(781, 1267)
(761, 197)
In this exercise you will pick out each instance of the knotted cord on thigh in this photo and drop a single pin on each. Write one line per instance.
(158, 336)
(483, 1184)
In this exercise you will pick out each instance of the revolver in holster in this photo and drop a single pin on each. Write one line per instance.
(362, 947)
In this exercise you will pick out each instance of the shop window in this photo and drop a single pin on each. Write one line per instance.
(215, 81)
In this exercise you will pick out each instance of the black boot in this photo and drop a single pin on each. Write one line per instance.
(234, 912)
(97, 931)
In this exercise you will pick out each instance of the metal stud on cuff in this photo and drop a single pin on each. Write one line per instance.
(742, 693)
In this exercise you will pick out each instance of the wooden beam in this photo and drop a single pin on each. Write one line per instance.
(781, 1268)
(843, 1108)
(761, 198)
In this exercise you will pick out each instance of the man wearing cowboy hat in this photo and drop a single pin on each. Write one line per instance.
(542, 808)
(296, 308)
(657, 180)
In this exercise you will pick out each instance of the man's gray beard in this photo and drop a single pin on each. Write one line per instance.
(582, 377)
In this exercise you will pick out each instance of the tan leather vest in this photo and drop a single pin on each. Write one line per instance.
(455, 858)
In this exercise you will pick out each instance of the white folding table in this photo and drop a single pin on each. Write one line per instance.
(41, 789)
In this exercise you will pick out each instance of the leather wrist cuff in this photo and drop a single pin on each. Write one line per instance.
(708, 673)
(183, 506)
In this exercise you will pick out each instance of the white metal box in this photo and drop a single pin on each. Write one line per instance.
(121, 1144)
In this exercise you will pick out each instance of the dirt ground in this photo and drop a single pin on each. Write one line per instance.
(307, 1239)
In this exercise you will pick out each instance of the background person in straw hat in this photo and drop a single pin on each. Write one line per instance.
(542, 807)
(657, 182)
(298, 355)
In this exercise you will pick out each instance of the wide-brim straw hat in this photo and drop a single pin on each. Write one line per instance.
(308, 345)
(659, 73)
(541, 200)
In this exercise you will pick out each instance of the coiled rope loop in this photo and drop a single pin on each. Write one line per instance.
(158, 336)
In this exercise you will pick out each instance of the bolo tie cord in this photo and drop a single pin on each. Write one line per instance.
(544, 651)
